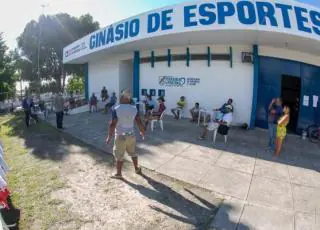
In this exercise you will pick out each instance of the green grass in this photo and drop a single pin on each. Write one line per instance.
(32, 180)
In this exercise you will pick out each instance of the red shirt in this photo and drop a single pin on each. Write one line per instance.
(162, 108)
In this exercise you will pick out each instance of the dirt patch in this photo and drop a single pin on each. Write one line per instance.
(84, 196)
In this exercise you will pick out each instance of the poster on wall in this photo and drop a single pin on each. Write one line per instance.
(170, 81)
(305, 100)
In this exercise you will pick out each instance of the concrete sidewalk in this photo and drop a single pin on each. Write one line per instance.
(260, 192)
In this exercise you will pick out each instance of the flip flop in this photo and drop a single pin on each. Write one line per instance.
(139, 171)
(118, 177)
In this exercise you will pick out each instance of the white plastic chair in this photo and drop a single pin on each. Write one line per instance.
(160, 120)
(181, 113)
(214, 137)
(205, 113)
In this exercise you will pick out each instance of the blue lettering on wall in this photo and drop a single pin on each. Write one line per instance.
(102, 38)
(315, 18)
(119, 32)
(209, 17)
(225, 9)
(242, 8)
(134, 27)
(110, 36)
(189, 16)
(126, 30)
(208, 13)
(266, 10)
(166, 20)
(285, 14)
(92, 43)
(301, 19)
(153, 22)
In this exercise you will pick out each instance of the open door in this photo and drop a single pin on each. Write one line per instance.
(290, 93)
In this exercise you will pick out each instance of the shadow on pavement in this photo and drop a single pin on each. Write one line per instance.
(199, 216)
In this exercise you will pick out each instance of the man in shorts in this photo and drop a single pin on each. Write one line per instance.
(122, 125)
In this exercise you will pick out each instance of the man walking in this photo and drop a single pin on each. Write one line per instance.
(27, 104)
(122, 124)
(59, 106)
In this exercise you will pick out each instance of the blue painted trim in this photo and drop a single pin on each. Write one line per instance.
(86, 81)
(152, 59)
(256, 71)
(188, 57)
(136, 74)
(209, 56)
(169, 57)
(231, 57)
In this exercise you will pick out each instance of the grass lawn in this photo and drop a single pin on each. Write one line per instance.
(32, 180)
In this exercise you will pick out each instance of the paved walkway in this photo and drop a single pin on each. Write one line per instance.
(261, 192)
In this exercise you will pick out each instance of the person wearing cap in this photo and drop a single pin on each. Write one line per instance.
(122, 125)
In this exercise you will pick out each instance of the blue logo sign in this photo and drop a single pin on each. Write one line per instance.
(169, 81)
(75, 49)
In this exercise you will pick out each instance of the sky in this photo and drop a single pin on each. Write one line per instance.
(15, 14)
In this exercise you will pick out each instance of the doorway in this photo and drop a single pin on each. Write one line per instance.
(290, 94)
(126, 75)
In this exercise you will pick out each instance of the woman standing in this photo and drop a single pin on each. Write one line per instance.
(282, 129)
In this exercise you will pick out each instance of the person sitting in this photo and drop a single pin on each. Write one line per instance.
(150, 104)
(195, 112)
(104, 94)
(93, 102)
(180, 106)
(112, 102)
(226, 108)
(155, 115)
(215, 124)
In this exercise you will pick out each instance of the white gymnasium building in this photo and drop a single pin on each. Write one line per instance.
(209, 51)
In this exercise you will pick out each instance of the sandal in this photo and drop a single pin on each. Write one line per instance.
(139, 171)
(117, 176)
(201, 138)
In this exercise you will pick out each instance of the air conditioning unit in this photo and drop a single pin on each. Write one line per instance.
(247, 57)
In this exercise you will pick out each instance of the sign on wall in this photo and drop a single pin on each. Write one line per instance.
(170, 81)
(284, 16)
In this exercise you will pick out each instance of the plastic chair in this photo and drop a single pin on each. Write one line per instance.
(181, 113)
(215, 136)
(160, 120)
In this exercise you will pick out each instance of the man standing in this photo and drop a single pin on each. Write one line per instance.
(93, 103)
(274, 113)
(26, 104)
(122, 124)
(59, 107)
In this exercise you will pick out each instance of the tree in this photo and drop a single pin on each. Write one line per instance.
(7, 72)
(75, 83)
(54, 33)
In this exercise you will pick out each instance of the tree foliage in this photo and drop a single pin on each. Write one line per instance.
(75, 84)
(7, 72)
(54, 32)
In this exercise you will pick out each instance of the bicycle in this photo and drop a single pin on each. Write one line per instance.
(314, 130)
(314, 133)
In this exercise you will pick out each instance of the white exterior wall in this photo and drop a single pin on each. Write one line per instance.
(106, 72)
(217, 83)
(125, 75)
(290, 55)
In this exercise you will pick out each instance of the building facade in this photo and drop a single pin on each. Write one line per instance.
(209, 51)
